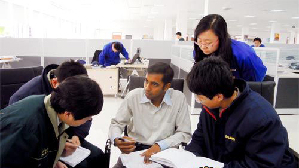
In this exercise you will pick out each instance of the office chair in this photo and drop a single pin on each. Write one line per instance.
(13, 79)
(95, 58)
(264, 88)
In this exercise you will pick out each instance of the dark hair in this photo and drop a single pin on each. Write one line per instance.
(210, 77)
(162, 68)
(179, 33)
(69, 68)
(258, 39)
(117, 46)
(217, 24)
(79, 95)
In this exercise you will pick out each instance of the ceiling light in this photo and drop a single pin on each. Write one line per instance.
(154, 13)
(249, 16)
(272, 21)
(226, 8)
(297, 17)
(277, 10)
(159, 5)
(253, 24)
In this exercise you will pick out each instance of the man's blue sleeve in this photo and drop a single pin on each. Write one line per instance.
(124, 52)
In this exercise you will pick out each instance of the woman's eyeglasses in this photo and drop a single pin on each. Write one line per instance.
(208, 44)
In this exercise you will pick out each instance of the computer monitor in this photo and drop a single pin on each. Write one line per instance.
(136, 56)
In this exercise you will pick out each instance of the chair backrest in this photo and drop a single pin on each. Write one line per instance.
(138, 82)
(265, 89)
(13, 79)
(96, 56)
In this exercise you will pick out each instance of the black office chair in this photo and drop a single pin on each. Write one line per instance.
(265, 89)
(95, 58)
(13, 79)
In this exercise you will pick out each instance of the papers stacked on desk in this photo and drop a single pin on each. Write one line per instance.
(134, 160)
(176, 158)
(179, 158)
(78, 156)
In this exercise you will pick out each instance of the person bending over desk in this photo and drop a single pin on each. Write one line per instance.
(110, 54)
(156, 116)
(237, 126)
(212, 39)
(48, 81)
(32, 131)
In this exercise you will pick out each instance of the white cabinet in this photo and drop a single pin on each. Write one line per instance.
(106, 78)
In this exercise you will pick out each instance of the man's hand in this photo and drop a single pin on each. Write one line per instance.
(126, 144)
(70, 148)
(75, 140)
(60, 165)
(129, 60)
(153, 150)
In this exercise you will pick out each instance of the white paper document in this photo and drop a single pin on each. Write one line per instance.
(78, 156)
(180, 158)
(135, 160)
(176, 158)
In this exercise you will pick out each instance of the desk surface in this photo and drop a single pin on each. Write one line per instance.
(283, 72)
(9, 60)
(139, 65)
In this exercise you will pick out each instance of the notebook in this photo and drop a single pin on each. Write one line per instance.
(78, 156)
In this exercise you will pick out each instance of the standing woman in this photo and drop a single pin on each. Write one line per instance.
(212, 38)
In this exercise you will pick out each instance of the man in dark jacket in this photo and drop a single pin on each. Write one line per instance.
(32, 131)
(50, 78)
(237, 126)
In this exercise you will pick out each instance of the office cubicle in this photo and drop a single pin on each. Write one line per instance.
(49, 51)
(278, 60)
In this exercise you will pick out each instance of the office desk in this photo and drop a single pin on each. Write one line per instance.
(7, 60)
(133, 66)
(107, 78)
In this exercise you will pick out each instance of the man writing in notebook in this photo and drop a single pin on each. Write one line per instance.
(32, 130)
(237, 126)
(45, 83)
(156, 116)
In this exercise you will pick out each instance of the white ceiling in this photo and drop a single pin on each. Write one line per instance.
(148, 13)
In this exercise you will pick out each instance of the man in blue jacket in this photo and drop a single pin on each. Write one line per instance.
(48, 81)
(110, 54)
(257, 43)
(237, 126)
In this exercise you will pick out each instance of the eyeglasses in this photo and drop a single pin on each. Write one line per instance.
(209, 44)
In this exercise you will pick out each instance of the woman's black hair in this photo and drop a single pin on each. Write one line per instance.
(217, 24)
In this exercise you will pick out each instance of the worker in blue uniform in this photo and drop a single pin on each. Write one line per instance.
(212, 39)
(257, 43)
(237, 126)
(110, 54)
